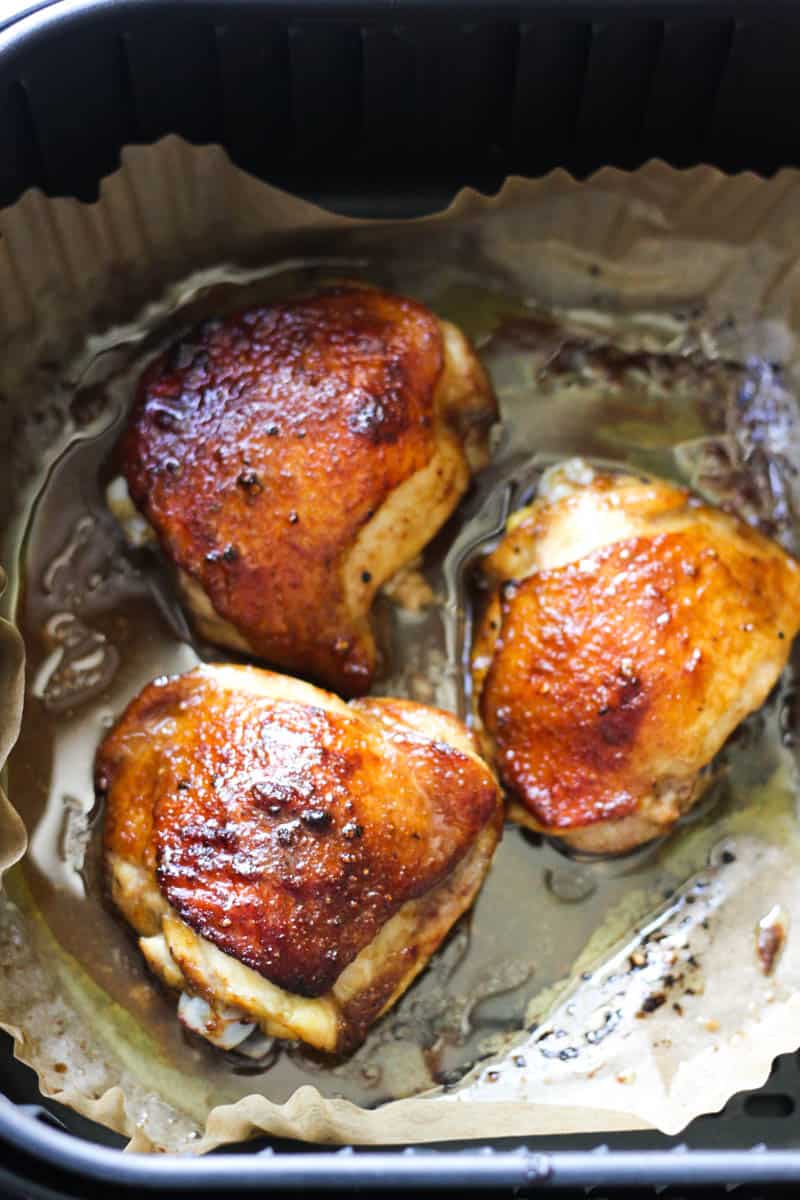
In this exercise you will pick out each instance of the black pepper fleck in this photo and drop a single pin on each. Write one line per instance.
(285, 833)
(316, 818)
(651, 1003)
(250, 483)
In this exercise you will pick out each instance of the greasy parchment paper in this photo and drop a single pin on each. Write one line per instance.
(669, 1009)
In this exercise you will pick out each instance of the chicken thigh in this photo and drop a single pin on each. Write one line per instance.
(290, 862)
(629, 631)
(291, 459)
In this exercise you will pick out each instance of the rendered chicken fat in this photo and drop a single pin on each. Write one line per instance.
(291, 459)
(630, 629)
(290, 861)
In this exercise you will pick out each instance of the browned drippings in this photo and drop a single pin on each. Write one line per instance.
(100, 620)
(770, 938)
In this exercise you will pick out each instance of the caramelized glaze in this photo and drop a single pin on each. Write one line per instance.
(287, 831)
(608, 681)
(261, 446)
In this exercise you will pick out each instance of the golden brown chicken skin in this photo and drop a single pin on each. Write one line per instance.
(292, 458)
(631, 628)
(291, 860)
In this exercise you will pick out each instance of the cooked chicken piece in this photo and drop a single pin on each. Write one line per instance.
(630, 629)
(290, 861)
(291, 459)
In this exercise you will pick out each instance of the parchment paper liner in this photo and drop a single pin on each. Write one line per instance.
(663, 238)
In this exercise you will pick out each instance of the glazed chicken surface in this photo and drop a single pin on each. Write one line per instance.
(290, 862)
(290, 459)
(630, 629)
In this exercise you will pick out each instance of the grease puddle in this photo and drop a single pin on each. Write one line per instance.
(100, 620)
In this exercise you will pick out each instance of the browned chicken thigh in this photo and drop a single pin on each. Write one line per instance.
(629, 631)
(292, 458)
(289, 861)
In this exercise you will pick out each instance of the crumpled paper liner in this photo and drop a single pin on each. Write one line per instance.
(12, 691)
(627, 244)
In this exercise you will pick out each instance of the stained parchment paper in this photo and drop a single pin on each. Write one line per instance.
(648, 318)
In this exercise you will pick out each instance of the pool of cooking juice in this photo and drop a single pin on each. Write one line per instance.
(100, 619)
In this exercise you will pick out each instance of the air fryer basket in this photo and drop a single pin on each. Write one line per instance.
(387, 108)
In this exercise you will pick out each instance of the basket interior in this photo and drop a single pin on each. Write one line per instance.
(389, 114)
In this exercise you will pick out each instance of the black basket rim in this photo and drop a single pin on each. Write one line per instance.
(401, 1168)
(480, 1166)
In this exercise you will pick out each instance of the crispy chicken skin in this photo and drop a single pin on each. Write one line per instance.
(630, 629)
(292, 458)
(290, 860)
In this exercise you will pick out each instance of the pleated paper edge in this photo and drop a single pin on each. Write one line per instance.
(46, 238)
